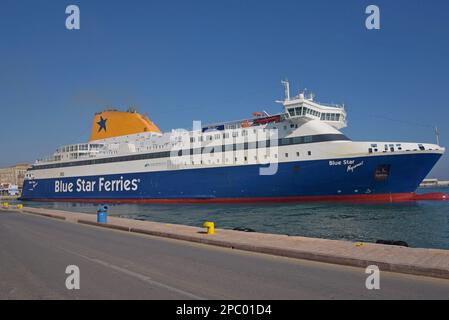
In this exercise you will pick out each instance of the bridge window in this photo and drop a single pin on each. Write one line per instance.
(291, 112)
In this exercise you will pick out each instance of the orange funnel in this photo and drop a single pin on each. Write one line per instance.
(110, 124)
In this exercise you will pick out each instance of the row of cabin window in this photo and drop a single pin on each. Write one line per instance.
(302, 111)
(137, 157)
(219, 136)
(81, 147)
(52, 159)
(226, 135)
(330, 116)
(309, 153)
(248, 145)
(163, 154)
(246, 158)
(255, 158)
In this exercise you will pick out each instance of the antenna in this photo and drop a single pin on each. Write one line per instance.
(437, 135)
(286, 89)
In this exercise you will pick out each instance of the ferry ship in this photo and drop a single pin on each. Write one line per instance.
(297, 155)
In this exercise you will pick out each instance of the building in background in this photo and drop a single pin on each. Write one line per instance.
(9, 190)
(14, 175)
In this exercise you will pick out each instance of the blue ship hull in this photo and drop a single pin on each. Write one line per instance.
(294, 181)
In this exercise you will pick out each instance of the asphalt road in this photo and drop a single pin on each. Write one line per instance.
(35, 251)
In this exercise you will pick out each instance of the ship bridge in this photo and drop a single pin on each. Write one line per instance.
(304, 107)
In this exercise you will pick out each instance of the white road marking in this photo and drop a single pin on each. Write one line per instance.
(136, 275)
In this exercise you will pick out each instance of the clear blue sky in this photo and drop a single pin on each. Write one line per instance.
(219, 60)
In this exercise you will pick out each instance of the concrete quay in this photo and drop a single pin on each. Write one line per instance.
(8, 198)
(414, 261)
(35, 252)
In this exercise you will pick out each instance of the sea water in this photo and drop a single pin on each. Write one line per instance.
(421, 224)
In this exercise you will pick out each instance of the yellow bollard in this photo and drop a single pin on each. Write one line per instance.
(210, 226)
(20, 206)
(5, 205)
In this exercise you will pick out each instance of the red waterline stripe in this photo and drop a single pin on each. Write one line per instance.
(393, 197)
